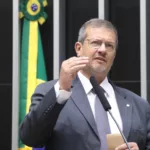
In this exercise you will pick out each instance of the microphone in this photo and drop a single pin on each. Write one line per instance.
(99, 92)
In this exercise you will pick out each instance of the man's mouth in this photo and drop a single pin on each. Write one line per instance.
(100, 59)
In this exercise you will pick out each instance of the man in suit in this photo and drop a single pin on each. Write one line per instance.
(65, 113)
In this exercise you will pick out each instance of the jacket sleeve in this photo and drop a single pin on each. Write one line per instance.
(37, 126)
(148, 127)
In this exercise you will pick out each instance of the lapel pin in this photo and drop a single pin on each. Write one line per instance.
(127, 105)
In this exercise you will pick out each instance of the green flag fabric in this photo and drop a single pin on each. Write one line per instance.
(32, 68)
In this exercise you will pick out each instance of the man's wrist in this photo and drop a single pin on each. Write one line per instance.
(62, 95)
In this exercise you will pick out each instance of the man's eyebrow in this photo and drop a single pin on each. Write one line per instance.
(104, 41)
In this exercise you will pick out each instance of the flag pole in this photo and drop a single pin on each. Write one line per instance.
(15, 77)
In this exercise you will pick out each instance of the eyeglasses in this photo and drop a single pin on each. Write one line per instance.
(96, 44)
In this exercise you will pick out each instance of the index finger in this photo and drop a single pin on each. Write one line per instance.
(82, 57)
(121, 147)
(124, 146)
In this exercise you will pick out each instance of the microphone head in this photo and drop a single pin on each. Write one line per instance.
(99, 92)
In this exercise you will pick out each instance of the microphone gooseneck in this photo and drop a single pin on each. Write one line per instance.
(99, 92)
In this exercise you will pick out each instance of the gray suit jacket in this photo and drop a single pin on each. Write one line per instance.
(72, 126)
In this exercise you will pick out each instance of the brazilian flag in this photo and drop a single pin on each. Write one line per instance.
(32, 71)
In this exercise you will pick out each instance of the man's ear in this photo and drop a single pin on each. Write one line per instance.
(78, 48)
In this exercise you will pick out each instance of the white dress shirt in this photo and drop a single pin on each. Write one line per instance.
(62, 96)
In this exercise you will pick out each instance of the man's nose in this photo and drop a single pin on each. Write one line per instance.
(102, 48)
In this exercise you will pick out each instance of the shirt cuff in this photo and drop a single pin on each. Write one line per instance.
(61, 95)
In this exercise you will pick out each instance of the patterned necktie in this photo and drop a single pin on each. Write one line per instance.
(102, 123)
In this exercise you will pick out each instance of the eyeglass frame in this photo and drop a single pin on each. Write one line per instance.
(113, 45)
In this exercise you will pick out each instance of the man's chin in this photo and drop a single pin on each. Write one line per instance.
(100, 69)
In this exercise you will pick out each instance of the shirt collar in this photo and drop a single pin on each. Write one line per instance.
(88, 86)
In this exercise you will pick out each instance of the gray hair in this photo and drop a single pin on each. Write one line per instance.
(96, 23)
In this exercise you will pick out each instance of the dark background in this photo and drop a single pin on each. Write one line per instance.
(5, 74)
(77, 12)
(125, 15)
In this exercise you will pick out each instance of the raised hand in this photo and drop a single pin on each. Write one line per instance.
(69, 69)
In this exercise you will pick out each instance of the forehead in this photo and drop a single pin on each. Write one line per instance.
(101, 33)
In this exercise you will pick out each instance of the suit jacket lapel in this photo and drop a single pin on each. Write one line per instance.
(125, 108)
(81, 101)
